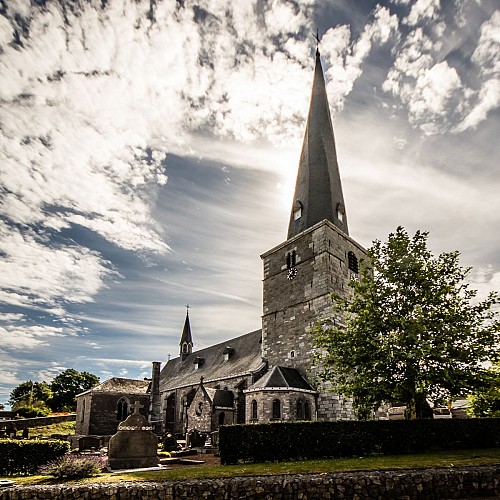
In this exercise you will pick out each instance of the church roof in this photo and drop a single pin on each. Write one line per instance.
(244, 357)
(220, 397)
(318, 191)
(282, 377)
(121, 385)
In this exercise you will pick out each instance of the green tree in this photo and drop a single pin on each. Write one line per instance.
(410, 330)
(67, 385)
(486, 402)
(30, 394)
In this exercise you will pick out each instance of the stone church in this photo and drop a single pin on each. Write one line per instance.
(265, 375)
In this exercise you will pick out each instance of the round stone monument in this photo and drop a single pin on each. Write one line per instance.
(135, 444)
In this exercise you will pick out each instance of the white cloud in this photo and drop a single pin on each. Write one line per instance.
(28, 336)
(34, 274)
(432, 92)
(487, 53)
(432, 89)
(423, 10)
(345, 59)
(488, 99)
(487, 58)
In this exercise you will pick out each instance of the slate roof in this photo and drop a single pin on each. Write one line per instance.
(245, 358)
(220, 397)
(121, 385)
(282, 377)
(318, 187)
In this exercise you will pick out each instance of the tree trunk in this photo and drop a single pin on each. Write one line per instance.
(411, 409)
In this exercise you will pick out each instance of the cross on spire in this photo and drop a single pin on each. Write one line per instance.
(316, 37)
(136, 406)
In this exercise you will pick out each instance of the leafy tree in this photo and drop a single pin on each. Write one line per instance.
(30, 394)
(410, 330)
(67, 385)
(486, 403)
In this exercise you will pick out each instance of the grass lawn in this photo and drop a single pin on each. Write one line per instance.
(437, 459)
(64, 428)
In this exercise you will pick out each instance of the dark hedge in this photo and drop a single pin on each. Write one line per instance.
(322, 439)
(25, 457)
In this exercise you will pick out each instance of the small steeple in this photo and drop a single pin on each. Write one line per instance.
(186, 343)
(318, 191)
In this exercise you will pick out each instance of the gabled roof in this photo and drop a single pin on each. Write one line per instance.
(281, 377)
(121, 385)
(318, 191)
(219, 397)
(245, 359)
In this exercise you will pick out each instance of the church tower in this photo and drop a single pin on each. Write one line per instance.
(317, 258)
(186, 342)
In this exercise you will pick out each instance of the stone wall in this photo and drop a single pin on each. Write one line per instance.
(428, 484)
(291, 307)
(97, 412)
(38, 421)
(288, 399)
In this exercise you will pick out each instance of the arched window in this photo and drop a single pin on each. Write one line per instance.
(122, 409)
(82, 416)
(291, 259)
(254, 410)
(276, 408)
(352, 262)
(307, 411)
(300, 410)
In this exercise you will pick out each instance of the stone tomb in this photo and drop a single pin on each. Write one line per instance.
(135, 444)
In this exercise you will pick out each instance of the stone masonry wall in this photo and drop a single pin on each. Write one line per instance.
(38, 421)
(429, 484)
(288, 404)
(290, 307)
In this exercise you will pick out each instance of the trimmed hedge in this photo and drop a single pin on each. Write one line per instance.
(25, 457)
(322, 439)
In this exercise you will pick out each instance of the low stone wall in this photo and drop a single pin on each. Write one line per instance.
(429, 484)
(21, 423)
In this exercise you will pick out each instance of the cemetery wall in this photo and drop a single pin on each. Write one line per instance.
(39, 421)
(460, 483)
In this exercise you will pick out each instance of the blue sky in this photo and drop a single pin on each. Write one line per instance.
(148, 154)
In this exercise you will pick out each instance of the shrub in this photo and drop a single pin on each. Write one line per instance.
(309, 440)
(74, 466)
(25, 457)
(32, 411)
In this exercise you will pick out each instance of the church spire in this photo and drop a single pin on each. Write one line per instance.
(318, 191)
(186, 342)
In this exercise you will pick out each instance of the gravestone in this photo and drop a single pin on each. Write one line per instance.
(89, 443)
(134, 445)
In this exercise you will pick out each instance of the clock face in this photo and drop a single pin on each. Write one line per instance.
(292, 272)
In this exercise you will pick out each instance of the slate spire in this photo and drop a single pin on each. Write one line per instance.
(186, 342)
(318, 191)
